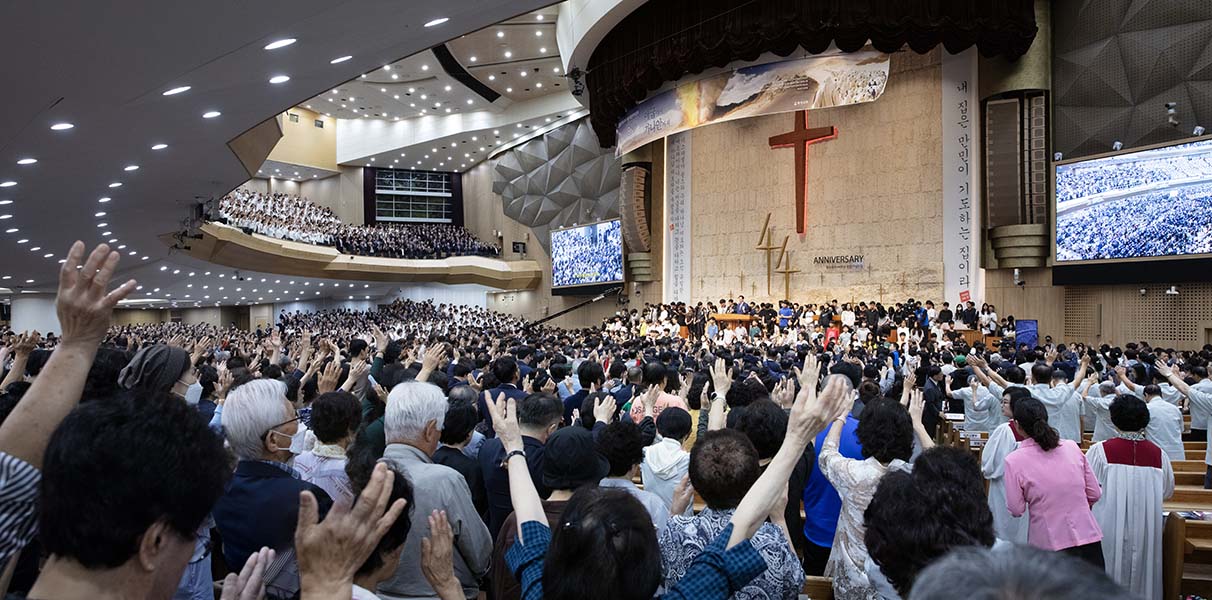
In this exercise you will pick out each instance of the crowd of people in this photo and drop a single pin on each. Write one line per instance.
(864, 324)
(428, 450)
(1163, 223)
(587, 255)
(289, 217)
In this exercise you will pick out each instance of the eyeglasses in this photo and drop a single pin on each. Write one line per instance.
(298, 417)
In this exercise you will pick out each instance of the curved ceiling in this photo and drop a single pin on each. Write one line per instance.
(136, 159)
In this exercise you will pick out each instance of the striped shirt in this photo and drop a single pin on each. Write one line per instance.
(18, 504)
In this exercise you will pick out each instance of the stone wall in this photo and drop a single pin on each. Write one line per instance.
(874, 191)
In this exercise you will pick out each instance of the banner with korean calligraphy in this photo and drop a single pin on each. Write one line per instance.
(961, 186)
(676, 263)
(817, 81)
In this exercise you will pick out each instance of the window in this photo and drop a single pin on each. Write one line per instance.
(294, 117)
(320, 123)
(412, 196)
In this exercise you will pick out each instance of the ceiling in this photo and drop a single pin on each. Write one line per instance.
(418, 86)
(284, 170)
(136, 160)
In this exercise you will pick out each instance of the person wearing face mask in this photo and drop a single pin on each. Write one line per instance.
(260, 506)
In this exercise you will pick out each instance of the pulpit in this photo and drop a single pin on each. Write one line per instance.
(730, 320)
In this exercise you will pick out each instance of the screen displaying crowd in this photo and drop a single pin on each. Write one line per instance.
(587, 255)
(431, 450)
(293, 218)
(1142, 204)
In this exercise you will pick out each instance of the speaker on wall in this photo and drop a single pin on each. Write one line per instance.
(633, 209)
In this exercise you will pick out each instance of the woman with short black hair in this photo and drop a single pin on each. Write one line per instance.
(1050, 476)
(1136, 478)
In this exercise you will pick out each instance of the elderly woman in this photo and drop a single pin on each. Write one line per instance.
(159, 369)
(261, 504)
(335, 417)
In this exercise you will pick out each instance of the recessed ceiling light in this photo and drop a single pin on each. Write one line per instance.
(437, 105)
(100, 214)
(113, 240)
(423, 96)
(472, 58)
(412, 104)
(22, 241)
(8, 184)
(62, 126)
(177, 90)
(543, 50)
(555, 69)
(339, 59)
(11, 230)
(27, 161)
(539, 85)
(29, 281)
(538, 34)
(448, 111)
(395, 76)
(492, 77)
(509, 90)
(282, 43)
(131, 168)
(436, 22)
(211, 114)
(2, 217)
(522, 73)
(469, 101)
(548, 119)
(5, 202)
(116, 184)
(159, 146)
(279, 79)
(424, 67)
(48, 255)
(496, 132)
(500, 34)
(447, 88)
(508, 54)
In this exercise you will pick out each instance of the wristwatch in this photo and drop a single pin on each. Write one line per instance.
(512, 453)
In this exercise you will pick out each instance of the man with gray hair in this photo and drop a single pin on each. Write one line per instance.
(413, 424)
(261, 505)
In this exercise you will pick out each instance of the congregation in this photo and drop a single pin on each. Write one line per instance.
(534, 444)
(293, 218)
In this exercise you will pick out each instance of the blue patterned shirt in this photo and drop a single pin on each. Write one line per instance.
(685, 538)
(716, 573)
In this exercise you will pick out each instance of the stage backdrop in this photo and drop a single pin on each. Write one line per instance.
(790, 85)
(875, 192)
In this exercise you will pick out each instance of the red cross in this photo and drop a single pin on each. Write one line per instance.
(800, 138)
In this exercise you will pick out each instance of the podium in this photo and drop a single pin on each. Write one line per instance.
(731, 319)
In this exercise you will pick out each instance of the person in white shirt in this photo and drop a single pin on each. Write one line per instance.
(1097, 401)
(982, 410)
(1002, 441)
(1197, 398)
(1136, 478)
(1064, 408)
(1200, 415)
(1165, 424)
(666, 462)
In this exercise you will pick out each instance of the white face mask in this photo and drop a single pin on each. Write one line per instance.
(193, 394)
(298, 441)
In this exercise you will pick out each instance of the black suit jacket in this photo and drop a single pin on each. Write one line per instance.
(261, 508)
(934, 397)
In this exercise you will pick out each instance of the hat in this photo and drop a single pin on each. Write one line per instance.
(571, 460)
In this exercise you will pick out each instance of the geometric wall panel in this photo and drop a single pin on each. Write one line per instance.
(1116, 63)
(557, 180)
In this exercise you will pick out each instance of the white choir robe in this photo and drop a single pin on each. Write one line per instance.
(1136, 478)
(993, 464)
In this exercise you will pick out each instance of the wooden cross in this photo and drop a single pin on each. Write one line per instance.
(800, 138)
(766, 242)
(784, 267)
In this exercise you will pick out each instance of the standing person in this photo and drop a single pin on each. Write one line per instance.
(335, 417)
(1050, 476)
(1004, 439)
(1136, 479)
(1165, 424)
(886, 435)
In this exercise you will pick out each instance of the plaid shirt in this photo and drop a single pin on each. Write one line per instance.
(19, 482)
(283, 466)
(716, 573)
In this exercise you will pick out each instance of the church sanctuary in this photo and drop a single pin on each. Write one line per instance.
(606, 300)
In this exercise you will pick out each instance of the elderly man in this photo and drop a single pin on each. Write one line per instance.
(413, 425)
(261, 504)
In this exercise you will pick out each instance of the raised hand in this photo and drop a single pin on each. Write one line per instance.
(437, 564)
(811, 373)
(810, 414)
(330, 552)
(329, 377)
(917, 405)
(683, 496)
(505, 421)
(604, 409)
(721, 377)
(250, 583)
(83, 306)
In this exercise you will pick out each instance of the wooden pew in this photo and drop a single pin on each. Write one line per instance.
(1185, 543)
(818, 588)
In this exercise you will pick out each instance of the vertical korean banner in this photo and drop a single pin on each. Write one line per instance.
(961, 186)
(676, 263)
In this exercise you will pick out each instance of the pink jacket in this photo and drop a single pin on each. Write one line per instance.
(663, 401)
(1060, 488)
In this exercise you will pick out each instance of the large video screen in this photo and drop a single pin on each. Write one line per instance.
(587, 255)
(1154, 203)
